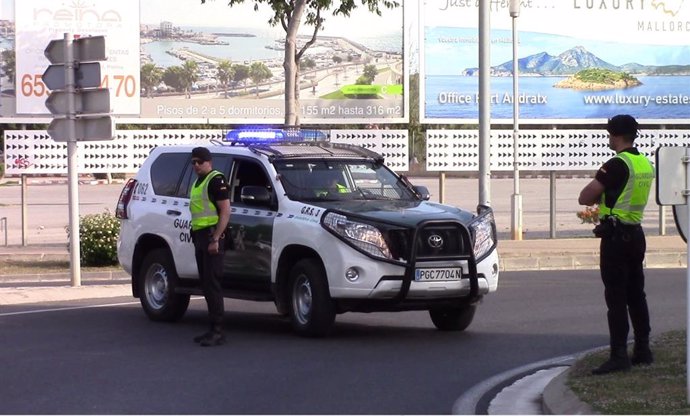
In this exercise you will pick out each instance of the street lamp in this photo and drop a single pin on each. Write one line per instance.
(516, 198)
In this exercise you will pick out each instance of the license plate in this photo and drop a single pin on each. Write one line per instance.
(434, 275)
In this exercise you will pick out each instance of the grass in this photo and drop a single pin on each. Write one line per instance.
(13, 267)
(659, 388)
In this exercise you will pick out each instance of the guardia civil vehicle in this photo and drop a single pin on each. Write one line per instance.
(317, 228)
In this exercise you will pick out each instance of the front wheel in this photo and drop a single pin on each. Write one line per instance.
(157, 288)
(453, 319)
(312, 311)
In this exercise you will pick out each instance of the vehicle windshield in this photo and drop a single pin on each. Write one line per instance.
(310, 180)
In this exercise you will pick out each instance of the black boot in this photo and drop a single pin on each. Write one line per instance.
(215, 337)
(618, 361)
(642, 355)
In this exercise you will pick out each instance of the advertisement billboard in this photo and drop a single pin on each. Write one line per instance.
(578, 60)
(213, 63)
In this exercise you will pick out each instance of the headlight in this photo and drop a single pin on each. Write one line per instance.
(484, 235)
(363, 236)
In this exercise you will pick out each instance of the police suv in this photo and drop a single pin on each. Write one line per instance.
(318, 228)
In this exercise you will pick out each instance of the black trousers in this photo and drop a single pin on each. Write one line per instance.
(210, 267)
(621, 260)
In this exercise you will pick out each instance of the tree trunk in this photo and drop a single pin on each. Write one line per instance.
(290, 65)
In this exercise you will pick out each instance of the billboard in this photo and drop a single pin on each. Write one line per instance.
(220, 64)
(578, 60)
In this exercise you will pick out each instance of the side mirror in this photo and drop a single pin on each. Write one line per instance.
(255, 195)
(423, 192)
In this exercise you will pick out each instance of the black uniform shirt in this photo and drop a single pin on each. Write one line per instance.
(614, 175)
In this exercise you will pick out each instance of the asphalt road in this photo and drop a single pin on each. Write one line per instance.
(105, 356)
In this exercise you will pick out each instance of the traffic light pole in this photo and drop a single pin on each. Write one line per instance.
(72, 166)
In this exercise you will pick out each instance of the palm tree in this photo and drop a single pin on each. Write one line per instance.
(151, 75)
(259, 72)
(189, 76)
(8, 64)
(241, 74)
(226, 72)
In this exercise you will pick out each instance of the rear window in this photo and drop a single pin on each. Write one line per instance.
(166, 172)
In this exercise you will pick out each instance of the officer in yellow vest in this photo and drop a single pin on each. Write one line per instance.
(621, 188)
(210, 208)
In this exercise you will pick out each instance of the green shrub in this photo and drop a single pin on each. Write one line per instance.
(98, 239)
(2, 170)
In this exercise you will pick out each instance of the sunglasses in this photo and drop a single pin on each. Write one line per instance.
(198, 162)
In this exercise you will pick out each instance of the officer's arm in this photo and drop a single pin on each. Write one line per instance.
(223, 218)
(591, 193)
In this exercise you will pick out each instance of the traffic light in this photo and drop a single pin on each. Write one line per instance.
(81, 107)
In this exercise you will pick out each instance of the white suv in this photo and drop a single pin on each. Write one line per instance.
(318, 228)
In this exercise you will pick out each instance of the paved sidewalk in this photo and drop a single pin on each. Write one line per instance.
(525, 255)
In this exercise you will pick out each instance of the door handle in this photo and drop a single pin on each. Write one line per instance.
(173, 212)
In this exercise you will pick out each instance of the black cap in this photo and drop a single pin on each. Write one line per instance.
(201, 153)
(622, 125)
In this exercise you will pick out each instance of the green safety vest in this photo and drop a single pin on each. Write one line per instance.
(629, 207)
(342, 189)
(204, 211)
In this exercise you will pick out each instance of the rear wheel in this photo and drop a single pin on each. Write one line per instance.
(157, 284)
(453, 319)
(312, 311)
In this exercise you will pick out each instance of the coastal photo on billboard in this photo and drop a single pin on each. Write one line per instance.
(577, 60)
(225, 64)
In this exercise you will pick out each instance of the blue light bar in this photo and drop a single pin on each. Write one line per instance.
(267, 136)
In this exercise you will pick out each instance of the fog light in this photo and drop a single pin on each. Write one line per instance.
(352, 274)
(495, 269)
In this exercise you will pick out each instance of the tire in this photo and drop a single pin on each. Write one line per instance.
(312, 310)
(157, 288)
(453, 319)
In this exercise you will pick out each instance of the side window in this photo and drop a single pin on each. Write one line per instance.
(247, 172)
(220, 163)
(166, 172)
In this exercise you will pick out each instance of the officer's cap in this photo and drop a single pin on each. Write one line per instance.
(201, 153)
(622, 125)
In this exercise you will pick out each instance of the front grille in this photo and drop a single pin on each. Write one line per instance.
(434, 241)
(440, 241)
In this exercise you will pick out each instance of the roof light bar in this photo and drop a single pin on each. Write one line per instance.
(266, 136)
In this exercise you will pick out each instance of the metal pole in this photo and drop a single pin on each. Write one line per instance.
(442, 188)
(552, 204)
(72, 164)
(686, 191)
(25, 217)
(516, 198)
(484, 103)
(662, 220)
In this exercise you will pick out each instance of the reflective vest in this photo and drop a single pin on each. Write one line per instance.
(629, 207)
(204, 211)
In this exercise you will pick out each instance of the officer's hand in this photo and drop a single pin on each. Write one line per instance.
(213, 247)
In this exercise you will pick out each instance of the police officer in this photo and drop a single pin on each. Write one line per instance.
(210, 208)
(621, 188)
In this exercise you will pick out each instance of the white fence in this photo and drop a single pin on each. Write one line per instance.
(34, 152)
(545, 150)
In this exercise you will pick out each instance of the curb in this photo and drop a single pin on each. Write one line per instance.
(558, 399)
(104, 277)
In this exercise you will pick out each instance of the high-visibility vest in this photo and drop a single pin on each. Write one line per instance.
(629, 207)
(204, 211)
